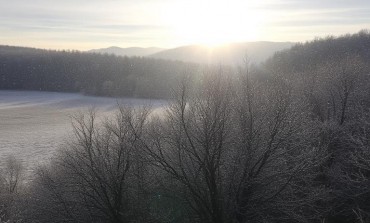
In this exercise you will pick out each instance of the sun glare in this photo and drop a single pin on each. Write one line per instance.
(214, 22)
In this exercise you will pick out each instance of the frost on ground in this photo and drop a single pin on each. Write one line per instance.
(34, 124)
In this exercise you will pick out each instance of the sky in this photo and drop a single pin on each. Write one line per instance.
(89, 24)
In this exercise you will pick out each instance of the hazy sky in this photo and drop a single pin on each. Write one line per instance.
(86, 24)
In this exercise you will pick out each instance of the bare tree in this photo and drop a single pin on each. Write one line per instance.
(343, 93)
(277, 153)
(93, 177)
(336, 87)
(189, 144)
(11, 182)
(237, 159)
(351, 174)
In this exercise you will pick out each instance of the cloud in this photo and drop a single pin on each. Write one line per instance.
(83, 23)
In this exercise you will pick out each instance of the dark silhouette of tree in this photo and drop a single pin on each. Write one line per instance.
(99, 177)
(11, 182)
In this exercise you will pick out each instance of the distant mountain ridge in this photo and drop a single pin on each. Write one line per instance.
(130, 51)
(229, 54)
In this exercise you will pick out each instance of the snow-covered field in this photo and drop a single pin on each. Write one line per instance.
(34, 124)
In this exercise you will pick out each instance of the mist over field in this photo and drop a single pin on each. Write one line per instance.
(35, 124)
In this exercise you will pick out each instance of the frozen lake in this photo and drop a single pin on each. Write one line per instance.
(33, 124)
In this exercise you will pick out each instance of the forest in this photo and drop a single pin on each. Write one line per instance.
(284, 141)
(89, 73)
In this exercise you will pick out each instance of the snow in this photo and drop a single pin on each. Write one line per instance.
(33, 124)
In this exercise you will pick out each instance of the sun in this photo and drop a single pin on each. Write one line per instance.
(213, 22)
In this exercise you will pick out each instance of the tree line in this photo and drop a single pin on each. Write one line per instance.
(254, 145)
(92, 74)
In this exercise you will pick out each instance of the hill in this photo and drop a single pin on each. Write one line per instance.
(131, 51)
(331, 73)
(311, 55)
(231, 54)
